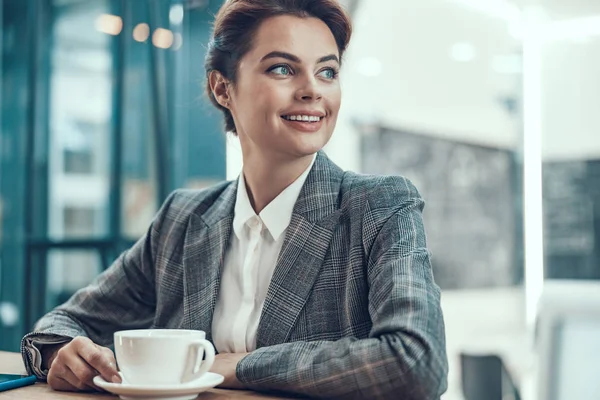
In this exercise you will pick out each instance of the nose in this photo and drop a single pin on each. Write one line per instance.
(309, 90)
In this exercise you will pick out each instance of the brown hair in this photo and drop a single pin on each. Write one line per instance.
(238, 20)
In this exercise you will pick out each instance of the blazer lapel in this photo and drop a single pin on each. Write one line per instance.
(206, 241)
(305, 246)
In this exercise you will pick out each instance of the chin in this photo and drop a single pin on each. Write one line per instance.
(310, 145)
(301, 144)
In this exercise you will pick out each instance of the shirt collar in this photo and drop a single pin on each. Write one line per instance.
(277, 215)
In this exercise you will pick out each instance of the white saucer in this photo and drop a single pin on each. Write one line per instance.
(183, 391)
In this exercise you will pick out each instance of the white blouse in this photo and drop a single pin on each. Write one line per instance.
(249, 264)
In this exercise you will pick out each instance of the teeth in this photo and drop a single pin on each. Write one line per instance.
(303, 118)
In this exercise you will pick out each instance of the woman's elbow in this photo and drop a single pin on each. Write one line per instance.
(422, 371)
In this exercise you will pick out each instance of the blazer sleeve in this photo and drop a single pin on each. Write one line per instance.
(405, 353)
(122, 297)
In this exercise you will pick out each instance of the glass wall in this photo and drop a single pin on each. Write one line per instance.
(103, 115)
(16, 106)
(571, 153)
(80, 131)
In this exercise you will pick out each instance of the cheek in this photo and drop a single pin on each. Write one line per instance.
(264, 101)
(334, 97)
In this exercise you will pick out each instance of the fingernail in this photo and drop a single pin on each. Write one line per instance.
(116, 379)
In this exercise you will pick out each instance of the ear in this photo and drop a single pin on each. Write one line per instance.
(219, 87)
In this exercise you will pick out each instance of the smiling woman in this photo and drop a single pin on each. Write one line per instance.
(291, 69)
(308, 279)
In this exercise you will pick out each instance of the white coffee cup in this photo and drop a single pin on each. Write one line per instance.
(162, 356)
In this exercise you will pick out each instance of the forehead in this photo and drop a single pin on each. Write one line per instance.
(308, 38)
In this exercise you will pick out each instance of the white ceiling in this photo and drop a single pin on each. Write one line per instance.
(564, 9)
(421, 87)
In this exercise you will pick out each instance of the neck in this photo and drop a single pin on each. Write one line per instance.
(267, 178)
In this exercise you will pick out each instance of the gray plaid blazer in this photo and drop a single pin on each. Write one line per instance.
(352, 310)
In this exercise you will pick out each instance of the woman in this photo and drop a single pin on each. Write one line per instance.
(308, 279)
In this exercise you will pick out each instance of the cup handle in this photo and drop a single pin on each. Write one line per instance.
(199, 367)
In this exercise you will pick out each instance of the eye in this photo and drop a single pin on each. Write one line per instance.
(329, 73)
(284, 70)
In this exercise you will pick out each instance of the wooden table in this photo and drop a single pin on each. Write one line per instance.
(12, 363)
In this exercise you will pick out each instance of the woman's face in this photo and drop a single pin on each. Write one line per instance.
(287, 96)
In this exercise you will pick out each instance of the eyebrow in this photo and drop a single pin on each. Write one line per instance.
(293, 58)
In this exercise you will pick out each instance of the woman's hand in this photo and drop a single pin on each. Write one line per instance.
(225, 364)
(75, 364)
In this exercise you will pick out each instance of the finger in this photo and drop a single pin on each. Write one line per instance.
(56, 378)
(58, 383)
(83, 372)
(112, 363)
(97, 359)
(74, 380)
(92, 354)
(60, 377)
(110, 356)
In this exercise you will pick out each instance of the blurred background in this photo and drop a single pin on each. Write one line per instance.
(489, 106)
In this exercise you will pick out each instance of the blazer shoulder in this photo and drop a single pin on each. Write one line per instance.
(378, 192)
(181, 203)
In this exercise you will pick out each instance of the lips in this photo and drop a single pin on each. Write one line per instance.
(304, 126)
